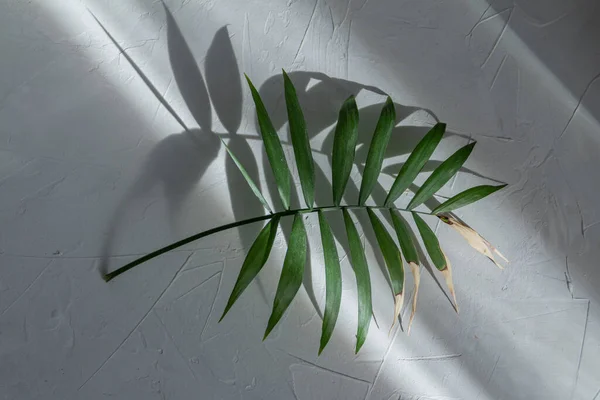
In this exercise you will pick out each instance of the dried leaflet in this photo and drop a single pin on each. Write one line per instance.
(417, 276)
(398, 302)
(447, 273)
(474, 239)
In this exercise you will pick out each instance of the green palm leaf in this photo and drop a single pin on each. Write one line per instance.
(431, 243)
(393, 261)
(255, 260)
(344, 147)
(248, 179)
(363, 280)
(415, 162)
(333, 282)
(467, 197)
(441, 175)
(404, 237)
(381, 137)
(273, 148)
(345, 140)
(302, 150)
(291, 274)
(436, 254)
(410, 255)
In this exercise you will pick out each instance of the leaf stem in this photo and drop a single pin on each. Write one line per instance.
(111, 275)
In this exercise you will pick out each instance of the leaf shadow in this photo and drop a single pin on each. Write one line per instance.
(177, 162)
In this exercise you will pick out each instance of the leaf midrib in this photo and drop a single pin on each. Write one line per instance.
(285, 213)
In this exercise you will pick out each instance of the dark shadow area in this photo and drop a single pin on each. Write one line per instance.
(534, 24)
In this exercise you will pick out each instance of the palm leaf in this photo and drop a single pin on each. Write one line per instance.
(255, 260)
(404, 238)
(415, 162)
(441, 175)
(467, 197)
(393, 261)
(474, 239)
(302, 150)
(363, 280)
(379, 143)
(291, 274)
(345, 140)
(344, 147)
(248, 179)
(410, 255)
(333, 282)
(436, 254)
(273, 148)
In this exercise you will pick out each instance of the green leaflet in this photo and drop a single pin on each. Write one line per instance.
(333, 282)
(415, 162)
(381, 137)
(344, 147)
(300, 142)
(437, 255)
(291, 274)
(275, 154)
(255, 260)
(390, 252)
(467, 197)
(441, 175)
(431, 243)
(363, 280)
(409, 250)
(404, 237)
(247, 177)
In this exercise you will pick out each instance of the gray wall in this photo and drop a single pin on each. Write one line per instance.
(95, 171)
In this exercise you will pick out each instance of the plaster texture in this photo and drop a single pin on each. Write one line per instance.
(95, 171)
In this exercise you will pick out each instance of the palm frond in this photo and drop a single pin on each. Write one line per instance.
(343, 153)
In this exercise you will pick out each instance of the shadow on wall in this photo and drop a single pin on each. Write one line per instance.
(179, 161)
(534, 24)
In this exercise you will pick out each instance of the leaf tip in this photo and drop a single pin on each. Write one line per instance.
(440, 126)
(267, 332)
(398, 302)
(249, 82)
(417, 277)
(351, 101)
(226, 310)
(495, 250)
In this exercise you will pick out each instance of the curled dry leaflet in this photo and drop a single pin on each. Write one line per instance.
(342, 158)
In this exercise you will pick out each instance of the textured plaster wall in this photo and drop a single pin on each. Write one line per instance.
(94, 171)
